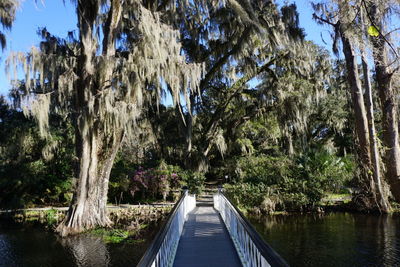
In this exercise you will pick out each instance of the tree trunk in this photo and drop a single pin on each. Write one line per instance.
(189, 133)
(361, 123)
(387, 98)
(88, 207)
(290, 148)
(377, 184)
(96, 148)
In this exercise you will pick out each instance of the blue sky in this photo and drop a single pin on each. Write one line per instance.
(59, 19)
(32, 15)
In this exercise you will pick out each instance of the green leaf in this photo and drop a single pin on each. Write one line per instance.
(373, 31)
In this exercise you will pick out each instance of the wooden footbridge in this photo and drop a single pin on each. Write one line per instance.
(209, 231)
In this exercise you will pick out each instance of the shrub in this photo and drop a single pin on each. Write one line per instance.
(34, 171)
(194, 181)
(262, 169)
(51, 217)
(155, 182)
(270, 183)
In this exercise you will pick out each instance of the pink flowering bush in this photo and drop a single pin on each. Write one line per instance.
(155, 182)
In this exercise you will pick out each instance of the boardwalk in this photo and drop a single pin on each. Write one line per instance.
(205, 241)
(195, 235)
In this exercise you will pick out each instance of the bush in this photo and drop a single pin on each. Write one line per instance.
(51, 217)
(155, 182)
(194, 181)
(270, 183)
(34, 171)
(246, 194)
(122, 171)
(262, 169)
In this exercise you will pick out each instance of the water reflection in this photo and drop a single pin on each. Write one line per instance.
(388, 240)
(334, 239)
(6, 252)
(34, 247)
(87, 250)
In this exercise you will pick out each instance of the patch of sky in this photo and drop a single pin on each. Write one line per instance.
(166, 97)
(32, 15)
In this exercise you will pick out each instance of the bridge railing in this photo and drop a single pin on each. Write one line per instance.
(161, 251)
(252, 249)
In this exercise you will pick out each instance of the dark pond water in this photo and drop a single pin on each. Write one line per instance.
(334, 239)
(33, 247)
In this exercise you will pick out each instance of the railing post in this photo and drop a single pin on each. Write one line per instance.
(220, 188)
(185, 193)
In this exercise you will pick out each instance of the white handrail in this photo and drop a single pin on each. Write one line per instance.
(161, 252)
(252, 250)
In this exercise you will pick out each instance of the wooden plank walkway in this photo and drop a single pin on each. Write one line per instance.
(205, 241)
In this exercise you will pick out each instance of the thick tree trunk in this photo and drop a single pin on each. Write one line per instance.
(96, 149)
(361, 123)
(377, 184)
(88, 207)
(388, 101)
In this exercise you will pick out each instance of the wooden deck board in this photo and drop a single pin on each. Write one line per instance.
(205, 241)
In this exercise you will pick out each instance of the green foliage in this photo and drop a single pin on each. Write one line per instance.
(34, 171)
(112, 235)
(124, 167)
(248, 195)
(194, 181)
(159, 182)
(51, 217)
(289, 183)
(262, 169)
(324, 170)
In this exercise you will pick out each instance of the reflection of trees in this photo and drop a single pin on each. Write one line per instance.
(271, 221)
(349, 239)
(87, 250)
(387, 241)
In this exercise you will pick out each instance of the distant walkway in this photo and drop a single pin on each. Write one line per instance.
(205, 241)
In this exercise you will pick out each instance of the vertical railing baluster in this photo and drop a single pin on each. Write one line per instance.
(171, 234)
(248, 251)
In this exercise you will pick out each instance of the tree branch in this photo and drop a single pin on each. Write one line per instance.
(381, 35)
(110, 28)
(210, 74)
(236, 87)
(316, 17)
